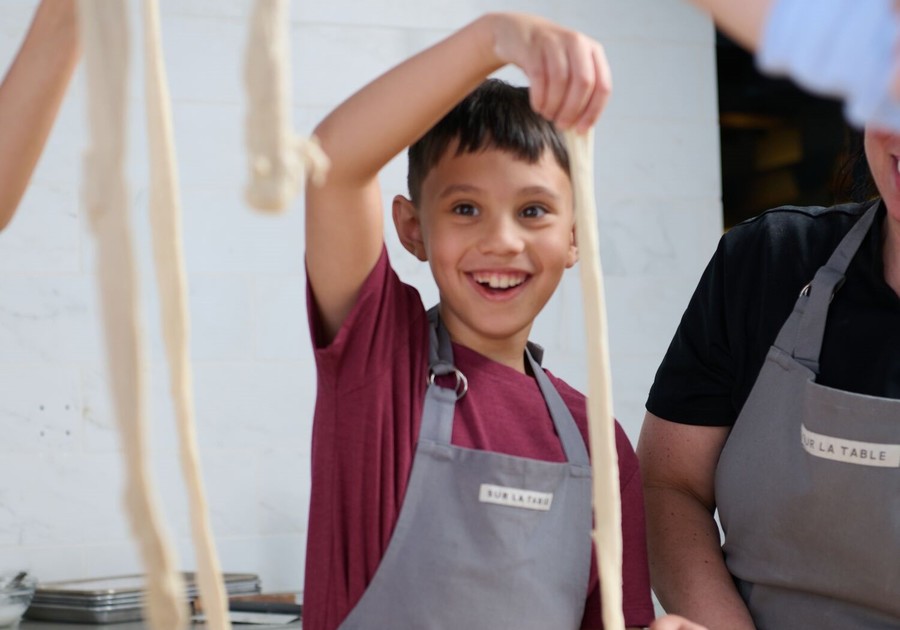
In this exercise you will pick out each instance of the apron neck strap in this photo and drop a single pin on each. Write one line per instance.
(440, 349)
(440, 402)
(802, 333)
(566, 429)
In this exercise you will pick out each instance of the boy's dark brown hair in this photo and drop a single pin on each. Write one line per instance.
(496, 115)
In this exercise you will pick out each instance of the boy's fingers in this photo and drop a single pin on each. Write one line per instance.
(601, 92)
(556, 66)
(569, 80)
(582, 85)
(537, 90)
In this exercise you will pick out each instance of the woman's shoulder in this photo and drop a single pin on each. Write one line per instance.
(786, 240)
(791, 223)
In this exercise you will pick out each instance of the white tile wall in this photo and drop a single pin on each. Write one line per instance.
(60, 470)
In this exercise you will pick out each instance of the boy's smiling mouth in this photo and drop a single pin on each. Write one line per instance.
(496, 283)
(499, 280)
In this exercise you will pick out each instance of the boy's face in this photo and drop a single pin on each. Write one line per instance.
(498, 233)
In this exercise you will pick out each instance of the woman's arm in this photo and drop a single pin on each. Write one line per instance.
(30, 96)
(687, 569)
(743, 20)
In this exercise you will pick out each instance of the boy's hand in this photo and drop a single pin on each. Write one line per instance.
(674, 622)
(569, 76)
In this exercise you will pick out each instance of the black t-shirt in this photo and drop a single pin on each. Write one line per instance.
(744, 297)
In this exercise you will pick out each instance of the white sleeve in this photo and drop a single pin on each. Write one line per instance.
(841, 48)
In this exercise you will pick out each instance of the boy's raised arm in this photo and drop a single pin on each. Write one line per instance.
(570, 82)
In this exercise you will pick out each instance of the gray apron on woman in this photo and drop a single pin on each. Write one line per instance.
(808, 484)
(484, 540)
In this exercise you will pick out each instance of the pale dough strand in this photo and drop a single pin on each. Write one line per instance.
(165, 223)
(279, 161)
(104, 31)
(601, 428)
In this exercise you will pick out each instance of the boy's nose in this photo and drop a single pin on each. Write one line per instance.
(501, 236)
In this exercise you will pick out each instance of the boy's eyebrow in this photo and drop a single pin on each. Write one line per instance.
(540, 190)
(452, 189)
(543, 191)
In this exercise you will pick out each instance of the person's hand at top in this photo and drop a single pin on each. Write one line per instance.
(570, 80)
(840, 48)
(30, 96)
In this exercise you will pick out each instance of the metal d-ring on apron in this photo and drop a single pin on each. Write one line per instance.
(484, 540)
(808, 484)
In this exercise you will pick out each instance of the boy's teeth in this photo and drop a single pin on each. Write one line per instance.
(499, 281)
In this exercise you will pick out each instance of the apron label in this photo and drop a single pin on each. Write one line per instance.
(515, 497)
(850, 451)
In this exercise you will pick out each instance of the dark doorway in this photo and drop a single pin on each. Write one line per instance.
(779, 145)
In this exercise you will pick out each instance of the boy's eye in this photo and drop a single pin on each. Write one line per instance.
(465, 209)
(534, 212)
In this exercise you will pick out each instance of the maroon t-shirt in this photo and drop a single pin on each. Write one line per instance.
(371, 390)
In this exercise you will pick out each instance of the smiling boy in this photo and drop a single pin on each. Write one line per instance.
(450, 477)
(495, 268)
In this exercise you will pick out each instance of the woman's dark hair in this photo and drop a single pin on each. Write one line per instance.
(495, 115)
(853, 180)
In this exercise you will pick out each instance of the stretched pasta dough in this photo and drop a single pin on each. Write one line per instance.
(280, 161)
(601, 428)
(104, 31)
(165, 222)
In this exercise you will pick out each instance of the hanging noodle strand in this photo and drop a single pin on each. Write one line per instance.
(104, 31)
(279, 161)
(601, 427)
(165, 223)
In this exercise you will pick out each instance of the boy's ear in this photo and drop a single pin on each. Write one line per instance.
(409, 228)
(572, 257)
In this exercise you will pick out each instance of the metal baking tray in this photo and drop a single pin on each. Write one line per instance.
(116, 598)
(76, 614)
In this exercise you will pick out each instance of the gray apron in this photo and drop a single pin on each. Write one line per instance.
(808, 483)
(484, 540)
